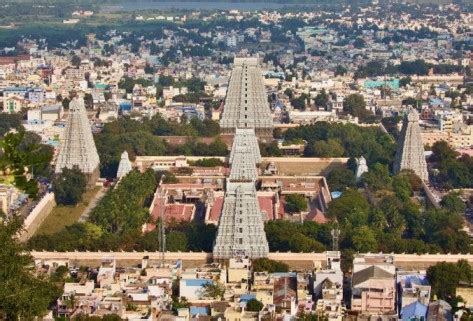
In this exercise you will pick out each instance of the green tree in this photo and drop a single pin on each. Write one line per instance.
(295, 203)
(444, 278)
(328, 148)
(22, 295)
(378, 177)
(359, 43)
(69, 186)
(254, 305)
(213, 290)
(75, 61)
(321, 100)
(340, 179)
(404, 81)
(208, 162)
(288, 92)
(267, 265)
(9, 121)
(21, 155)
(340, 71)
(125, 208)
(351, 200)
(364, 239)
(453, 203)
(402, 187)
(176, 241)
(355, 105)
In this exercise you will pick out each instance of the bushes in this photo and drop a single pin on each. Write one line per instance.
(267, 265)
(254, 305)
(208, 162)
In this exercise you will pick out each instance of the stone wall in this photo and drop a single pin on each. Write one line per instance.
(37, 216)
(295, 260)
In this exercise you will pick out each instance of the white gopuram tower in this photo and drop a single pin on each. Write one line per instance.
(246, 104)
(410, 150)
(77, 144)
(241, 227)
(125, 165)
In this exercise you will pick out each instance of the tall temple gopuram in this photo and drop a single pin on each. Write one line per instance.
(410, 150)
(241, 228)
(77, 144)
(246, 104)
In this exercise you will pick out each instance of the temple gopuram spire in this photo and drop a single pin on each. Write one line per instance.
(410, 149)
(77, 144)
(241, 225)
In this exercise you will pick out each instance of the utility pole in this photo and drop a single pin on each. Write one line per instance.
(335, 235)
(162, 222)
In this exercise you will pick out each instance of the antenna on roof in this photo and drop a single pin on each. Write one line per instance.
(335, 235)
(162, 223)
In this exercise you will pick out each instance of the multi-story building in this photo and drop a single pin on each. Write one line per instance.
(373, 285)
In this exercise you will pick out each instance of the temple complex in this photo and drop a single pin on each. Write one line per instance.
(77, 144)
(241, 229)
(246, 104)
(410, 150)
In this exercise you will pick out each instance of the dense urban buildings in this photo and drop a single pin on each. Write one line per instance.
(236, 161)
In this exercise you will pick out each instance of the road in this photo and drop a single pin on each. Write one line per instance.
(93, 203)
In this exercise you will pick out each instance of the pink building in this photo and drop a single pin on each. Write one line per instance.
(373, 291)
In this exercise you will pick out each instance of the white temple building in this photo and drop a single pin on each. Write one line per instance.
(77, 144)
(241, 226)
(361, 168)
(125, 165)
(410, 149)
(246, 104)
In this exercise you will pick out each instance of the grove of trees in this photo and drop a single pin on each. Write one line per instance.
(345, 140)
(69, 186)
(454, 170)
(143, 139)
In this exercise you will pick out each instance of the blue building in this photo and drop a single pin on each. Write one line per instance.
(415, 311)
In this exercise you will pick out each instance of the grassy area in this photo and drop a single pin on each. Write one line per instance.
(62, 216)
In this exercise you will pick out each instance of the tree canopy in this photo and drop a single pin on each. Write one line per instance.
(444, 278)
(267, 265)
(22, 295)
(355, 105)
(295, 203)
(375, 145)
(124, 207)
(69, 186)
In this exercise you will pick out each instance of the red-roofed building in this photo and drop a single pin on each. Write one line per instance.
(266, 205)
(316, 216)
(214, 210)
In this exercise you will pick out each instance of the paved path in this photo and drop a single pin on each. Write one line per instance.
(92, 204)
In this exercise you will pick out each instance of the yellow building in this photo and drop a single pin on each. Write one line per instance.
(460, 136)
